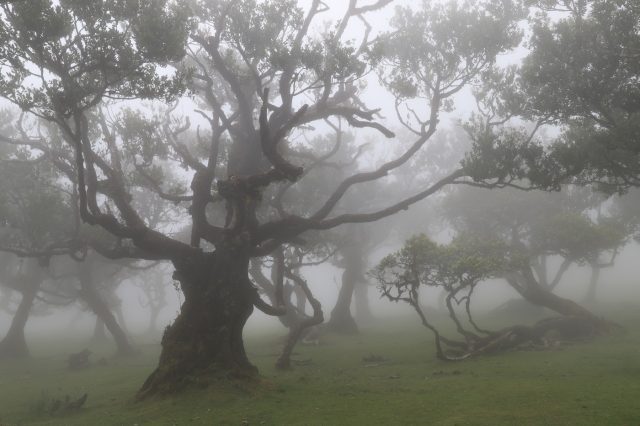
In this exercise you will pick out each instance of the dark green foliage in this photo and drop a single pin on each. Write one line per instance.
(59, 59)
(34, 212)
(442, 47)
(455, 266)
(539, 223)
(582, 74)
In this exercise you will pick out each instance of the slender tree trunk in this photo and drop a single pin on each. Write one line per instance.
(301, 300)
(293, 316)
(341, 320)
(97, 304)
(454, 317)
(14, 345)
(297, 332)
(205, 341)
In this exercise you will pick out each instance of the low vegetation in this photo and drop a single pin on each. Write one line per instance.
(387, 375)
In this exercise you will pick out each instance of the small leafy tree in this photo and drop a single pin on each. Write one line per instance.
(458, 268)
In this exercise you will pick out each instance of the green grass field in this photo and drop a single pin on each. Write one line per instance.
(595, 383)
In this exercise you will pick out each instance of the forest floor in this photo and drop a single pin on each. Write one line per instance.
(595, 383)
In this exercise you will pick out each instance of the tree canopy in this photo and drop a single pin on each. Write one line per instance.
(580, 74)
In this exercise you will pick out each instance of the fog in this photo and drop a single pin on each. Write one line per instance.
(618, 290)
(319, 212)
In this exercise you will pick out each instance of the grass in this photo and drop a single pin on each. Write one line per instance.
(596, 383)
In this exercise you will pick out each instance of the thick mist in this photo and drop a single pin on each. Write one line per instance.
(286, 212)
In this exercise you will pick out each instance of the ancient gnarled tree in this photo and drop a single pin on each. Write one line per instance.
(261, 73)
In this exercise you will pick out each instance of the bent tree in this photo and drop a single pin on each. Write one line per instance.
(458, 268)
(538, 226)
(261, 74)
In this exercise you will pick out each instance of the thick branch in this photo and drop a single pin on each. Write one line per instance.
(294, 225)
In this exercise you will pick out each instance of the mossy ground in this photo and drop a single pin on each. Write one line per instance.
(596, 383)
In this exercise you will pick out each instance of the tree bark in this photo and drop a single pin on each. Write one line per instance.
(297, 332)
(14, 345)
(341, 320)
(205, 341)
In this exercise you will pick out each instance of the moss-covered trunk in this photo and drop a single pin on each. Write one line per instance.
(205, 341)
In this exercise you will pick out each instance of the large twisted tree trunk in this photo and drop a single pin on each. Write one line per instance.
(14, 345)
(205, 341)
